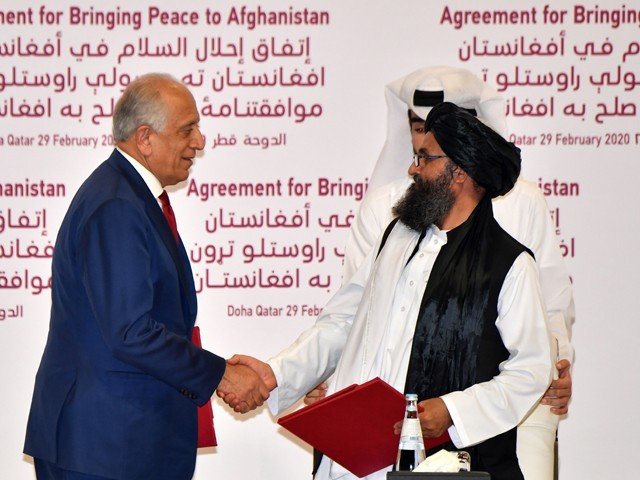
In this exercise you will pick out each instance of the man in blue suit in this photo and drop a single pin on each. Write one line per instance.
(119, 383)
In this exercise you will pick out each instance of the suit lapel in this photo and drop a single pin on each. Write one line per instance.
(162, 227)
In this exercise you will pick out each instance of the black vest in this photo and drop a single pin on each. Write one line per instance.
(456, 343)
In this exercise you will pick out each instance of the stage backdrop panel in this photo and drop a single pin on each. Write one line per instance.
(292, 106)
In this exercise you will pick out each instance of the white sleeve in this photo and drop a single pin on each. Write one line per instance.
(367, 227)
(524, 214)
(487, 409)
(554, 279)
(313, 357)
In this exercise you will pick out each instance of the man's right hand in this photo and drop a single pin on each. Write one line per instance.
(263, 369)
(318, 393)
(559, 393)
(241, 388)
(434, 418)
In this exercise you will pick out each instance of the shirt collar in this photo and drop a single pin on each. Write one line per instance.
(153, 184)
(433, 230)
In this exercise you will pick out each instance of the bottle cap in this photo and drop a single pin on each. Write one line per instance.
(411, 396)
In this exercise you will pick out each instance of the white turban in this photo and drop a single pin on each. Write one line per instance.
(435, 85)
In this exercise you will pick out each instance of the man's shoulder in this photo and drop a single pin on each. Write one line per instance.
(381, 199)
(391, 190)
(523, 192)
(105, 184)
(519, 210)
(504, 243)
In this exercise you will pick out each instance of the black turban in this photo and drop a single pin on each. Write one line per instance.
(492, 161)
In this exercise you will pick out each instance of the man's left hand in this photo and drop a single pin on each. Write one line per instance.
(318, 393)
(434, 418)
(559, 393)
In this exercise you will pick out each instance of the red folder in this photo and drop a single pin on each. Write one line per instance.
(206, 433)
(354, 426)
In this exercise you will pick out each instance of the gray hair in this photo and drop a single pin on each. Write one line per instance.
(141, 104)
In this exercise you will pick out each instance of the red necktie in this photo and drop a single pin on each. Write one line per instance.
(206, 432)
(168, 213)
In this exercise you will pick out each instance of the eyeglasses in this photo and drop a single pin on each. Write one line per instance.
(427, 158)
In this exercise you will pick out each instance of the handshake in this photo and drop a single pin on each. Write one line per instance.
(246, 383)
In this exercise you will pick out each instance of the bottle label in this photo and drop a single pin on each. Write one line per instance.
(411, 427)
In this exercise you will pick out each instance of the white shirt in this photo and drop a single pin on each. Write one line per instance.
(362, 323)
(523, 213)
(407, 297)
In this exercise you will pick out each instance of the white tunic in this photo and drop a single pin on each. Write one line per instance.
(367, 328)
(522, 213)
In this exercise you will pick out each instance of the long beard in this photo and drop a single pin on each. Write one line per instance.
(426, 202)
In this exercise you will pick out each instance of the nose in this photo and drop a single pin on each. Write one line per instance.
(198, 139)
(413, 170)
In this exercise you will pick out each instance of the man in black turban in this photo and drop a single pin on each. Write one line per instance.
(447, 306)
(461, 165)
(464, 145)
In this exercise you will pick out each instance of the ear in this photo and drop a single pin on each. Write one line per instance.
(143, 139)
(460, 176)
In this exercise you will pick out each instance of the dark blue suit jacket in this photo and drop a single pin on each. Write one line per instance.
(119, 381)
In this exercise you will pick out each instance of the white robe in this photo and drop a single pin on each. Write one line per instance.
(522, 213)
(351, 335)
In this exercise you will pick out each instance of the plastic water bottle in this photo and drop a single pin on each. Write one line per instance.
(411, 448)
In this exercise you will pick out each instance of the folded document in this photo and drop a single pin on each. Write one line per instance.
(354, 427)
